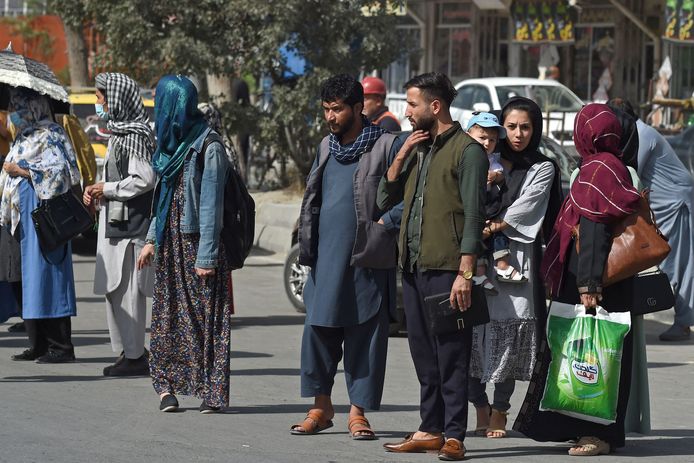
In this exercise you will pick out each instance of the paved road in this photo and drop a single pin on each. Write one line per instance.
(70, 413)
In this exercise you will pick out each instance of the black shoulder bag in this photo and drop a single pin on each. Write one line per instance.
(60, 219)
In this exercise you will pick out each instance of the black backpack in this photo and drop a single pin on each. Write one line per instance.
(238, 224)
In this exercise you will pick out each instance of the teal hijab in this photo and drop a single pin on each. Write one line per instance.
(178, 123)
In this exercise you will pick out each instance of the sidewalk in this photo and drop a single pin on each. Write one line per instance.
(70, 413)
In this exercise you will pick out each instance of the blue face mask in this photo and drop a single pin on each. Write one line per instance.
(100, 112)
(16, 119)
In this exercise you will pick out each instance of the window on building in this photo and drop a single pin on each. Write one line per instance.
(682, 80)
(455, 13)
(452, 41)
(402, 70)
(593, 50)
(21, 7)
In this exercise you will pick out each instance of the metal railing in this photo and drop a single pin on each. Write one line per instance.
(561, 134)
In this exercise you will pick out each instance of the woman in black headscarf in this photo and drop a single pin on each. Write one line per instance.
(629, 143)
(504, 350)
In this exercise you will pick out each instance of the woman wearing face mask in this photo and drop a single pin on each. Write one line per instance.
(125, 198)
(40, 165)
(504, 349)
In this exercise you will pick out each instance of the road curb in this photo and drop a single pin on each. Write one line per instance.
(274, 224)
(665, 316)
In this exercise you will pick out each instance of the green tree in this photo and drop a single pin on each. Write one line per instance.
(74, 14)
(244, 37)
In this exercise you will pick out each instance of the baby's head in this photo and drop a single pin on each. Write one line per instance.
(485, 128)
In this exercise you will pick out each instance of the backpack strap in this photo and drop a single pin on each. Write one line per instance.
(212, 137)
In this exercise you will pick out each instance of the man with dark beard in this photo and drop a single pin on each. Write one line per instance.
(350, 245)
(441, 172)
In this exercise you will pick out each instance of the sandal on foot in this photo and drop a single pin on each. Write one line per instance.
(314, 423)
(360, 429)
(510, 275)
(497, 424)
(487, 285)
(589, 446)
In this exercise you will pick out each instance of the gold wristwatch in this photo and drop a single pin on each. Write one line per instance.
(467, 274)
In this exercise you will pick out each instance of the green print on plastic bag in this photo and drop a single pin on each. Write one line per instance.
(586, 375)
(583, 377)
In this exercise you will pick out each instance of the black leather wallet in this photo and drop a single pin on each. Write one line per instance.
(444, 319)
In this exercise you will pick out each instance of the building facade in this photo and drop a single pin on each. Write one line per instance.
(616, 49)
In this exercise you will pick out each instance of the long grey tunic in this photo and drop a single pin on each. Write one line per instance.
(337, 294)
(672, 200)
(110, 252)
(505, 348)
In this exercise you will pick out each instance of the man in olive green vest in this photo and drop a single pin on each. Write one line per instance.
(441, 174)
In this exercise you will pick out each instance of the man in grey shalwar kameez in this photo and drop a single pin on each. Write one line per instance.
(672, 200)
(349, 243)
(126, 199)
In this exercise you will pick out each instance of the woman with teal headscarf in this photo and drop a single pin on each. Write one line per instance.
(192, 301)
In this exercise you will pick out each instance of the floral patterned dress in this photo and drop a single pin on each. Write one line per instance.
(191, 318)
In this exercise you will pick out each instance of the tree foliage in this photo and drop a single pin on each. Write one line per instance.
(244, 37)
(73, 13)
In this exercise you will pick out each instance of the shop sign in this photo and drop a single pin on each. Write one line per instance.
(455, 13)
(679, 20)
(538, 21)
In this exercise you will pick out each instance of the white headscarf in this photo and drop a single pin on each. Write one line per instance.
(42, 147)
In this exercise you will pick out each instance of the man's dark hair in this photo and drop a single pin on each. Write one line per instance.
(342, 87)
(629, 143)
(434, 86)
(624, 105)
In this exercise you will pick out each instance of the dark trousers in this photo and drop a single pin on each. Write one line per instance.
(365, 349)
(53, 334)
(17, 291)
(441, 362)
(477, 394)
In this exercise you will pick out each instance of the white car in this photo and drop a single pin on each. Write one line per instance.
(559, 104)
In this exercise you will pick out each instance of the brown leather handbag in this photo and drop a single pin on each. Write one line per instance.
(637, 244)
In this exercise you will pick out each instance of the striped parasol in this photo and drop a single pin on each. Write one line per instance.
(20, 71)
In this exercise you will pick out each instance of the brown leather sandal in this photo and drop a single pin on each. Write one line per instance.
(497, 424)
(360, 429)
(314, 423)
